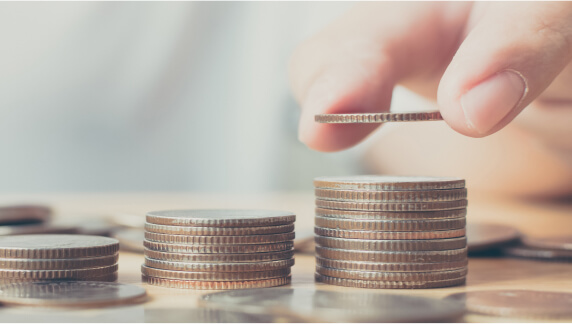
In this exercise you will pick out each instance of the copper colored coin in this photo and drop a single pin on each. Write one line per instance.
(369, 215)
(556, 243)
(218, 231)
(213, 276)
(57, 274)
(391, 225)
(58, 264)
(391, 196)
(245, 248)
(372, 284)
(526, 252)
(216, 285)
(482, 237)
(219, 257)
(392, 207)
(22, 214)
(378, 117)
(383, 183)
(63, 246)
(219, 240)
(378, 235)
(221, 217)
(393, 257)
(219, 266)
(518, 303)
(392, 276)
(392, 245)
(390, 267)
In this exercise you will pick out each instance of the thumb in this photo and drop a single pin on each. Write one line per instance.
(512, 54)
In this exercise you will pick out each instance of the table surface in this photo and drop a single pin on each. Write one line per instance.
(536, 218)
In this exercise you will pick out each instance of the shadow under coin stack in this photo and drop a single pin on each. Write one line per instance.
(218, 249)
(390, 232)
(27, 258)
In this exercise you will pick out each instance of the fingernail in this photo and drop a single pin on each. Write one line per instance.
(492, 100)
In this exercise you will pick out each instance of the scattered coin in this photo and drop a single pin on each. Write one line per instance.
(221, 218)
(216, 285)
(393, 257)
(390, 267)
(213, 276)
(391, 196)
(391, 225)
(392, 207)
(219, 266)
(378, 117)
(518, 303)
(94, 226)
(220, 257)
(385, 183)
(556, 243)
(245, 248)
(392, 276)
(369, 215)
(70, 293)
(57, 274)
(389, 284)
(392, 245)
(24, 214)
(58, 264)
(379, 235)
(218, 231)
(33, 228)
(61, 246)
(482, 237)
(219, 240)
(130, 239)
(522, 251)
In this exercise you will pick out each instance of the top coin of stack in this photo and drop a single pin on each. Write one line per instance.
(390, 232)
(218, 249)
(57, 257)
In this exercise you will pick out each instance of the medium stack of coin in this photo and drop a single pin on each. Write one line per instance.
(218, 249)
(25, 258)
(391, 232)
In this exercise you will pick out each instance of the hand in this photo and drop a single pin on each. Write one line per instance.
(482, 62)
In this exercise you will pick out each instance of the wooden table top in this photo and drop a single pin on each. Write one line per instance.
(532, 218)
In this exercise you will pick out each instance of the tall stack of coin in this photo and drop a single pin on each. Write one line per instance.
(218, 249)
(391, 232)
(58, 257)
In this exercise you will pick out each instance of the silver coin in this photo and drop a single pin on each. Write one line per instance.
(220, 257)
(368, 118)
(61, 246)
(43, 228)
(221, 217)
(384, 183)
(310, 305)
(70, 293)
(392, 245)
(58, 264)
(368, 215)
(210, 315)
(130, 239)
(390, 196)
(23, 214)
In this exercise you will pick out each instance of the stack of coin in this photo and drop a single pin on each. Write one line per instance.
(390, 232)
(218, 249)
(25, 258)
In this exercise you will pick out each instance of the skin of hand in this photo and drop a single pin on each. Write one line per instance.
(484, 63)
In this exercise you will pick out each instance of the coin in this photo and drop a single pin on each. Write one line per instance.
(214, 276)
(378, 235)
(34, 228)
(216, 285)
(130, 239)
(391, 196)
(219, 266)
(482, 237)
(111, 277)
(388, 284)
(388, 183)
(378, 117)
(218, 231)
(61, 246)
(58, 264)
(341, 306)
(392, 207)
(70, 293)
(221, 217)
(518, 303)
(390, 267)
(209, 315)
(247, 248)
(522, 251)
(393, 257)
(220, 257)
(556, 243)
(391, 225)
(94, 226)
(24, 214)
(393, 276)
(367, 215)
(57, 274)
(219, 240)
(392, 245)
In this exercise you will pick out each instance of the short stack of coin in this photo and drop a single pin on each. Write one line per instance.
(41, 257)
(218, 249)
(391, 232)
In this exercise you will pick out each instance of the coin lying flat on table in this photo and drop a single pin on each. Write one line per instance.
(58, 264)
(219, 240)
(218, 231)
(219, 266)
(522, 251)
(23, 214)
(556, 243)
(390, 267)
(392, 207)
(245, 248)
(61, 246)
(37, 228)
(518, 303)
(372, 284)
(221, 218)
(391, 225)
(220, 257)
(379, 235)
(70, 293)
(388, 183)
(484, 236)
(391, 196)
(379, 117)
(216, 285)
(392, 245)
(392, 276)
(369, 215)
(392, 257)
(211, 315)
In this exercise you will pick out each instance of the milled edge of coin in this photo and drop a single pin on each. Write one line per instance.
(391, 196)
(112, 277)
(139, 296)
(213, 276)
(379, 117)
(392, 245)
(369, 215)
(392, 276)
(60, 252)
(219, 267)
(248, 248)
(218, 231)
(58, 264)
(57, 274)
(390, 267)
(219, 240)
(391, 225)
(521, 251)
(216, 285)
(392, 207)
(372, 284)
(378, 235)
(219, 257)
(383, 183)
(154, 217)
(393, 257)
